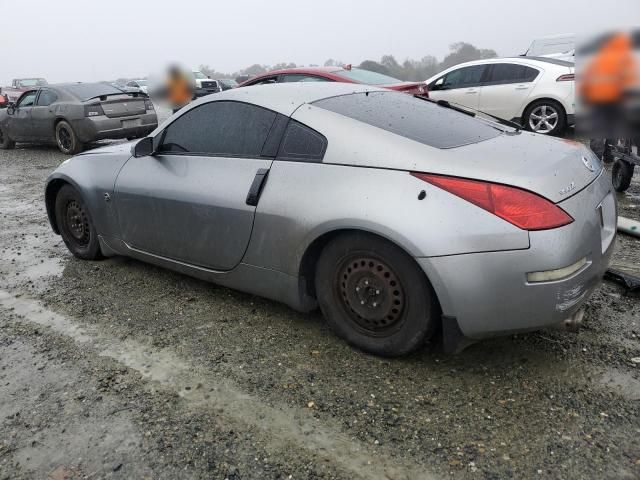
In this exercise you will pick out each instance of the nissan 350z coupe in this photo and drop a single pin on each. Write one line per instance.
(393, 214)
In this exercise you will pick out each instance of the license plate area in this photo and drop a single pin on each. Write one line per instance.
(131, 123)
(606, 211)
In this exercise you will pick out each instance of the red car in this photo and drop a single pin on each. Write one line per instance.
(346, 74)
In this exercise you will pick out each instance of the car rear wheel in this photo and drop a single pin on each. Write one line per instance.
(67, 139)
(374, 295)
(5, 142)
(75, 224)
(546, 117)
(621, 174)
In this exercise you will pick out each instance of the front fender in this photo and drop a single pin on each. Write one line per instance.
(93, 176)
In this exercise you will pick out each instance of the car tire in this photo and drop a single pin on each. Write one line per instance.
(66, 139)
(621, 174)
(546, 117)
(5, 142)
(76, 225)
(374, 295)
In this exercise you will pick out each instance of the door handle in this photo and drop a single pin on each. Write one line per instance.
(471, 90)
(256, 187)
(522, 87)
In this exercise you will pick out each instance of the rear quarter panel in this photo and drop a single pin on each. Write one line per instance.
(303, 201)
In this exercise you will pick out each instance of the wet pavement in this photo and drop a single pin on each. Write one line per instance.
(117, 369)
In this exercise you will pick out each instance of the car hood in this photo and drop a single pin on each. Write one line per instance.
(114, 148)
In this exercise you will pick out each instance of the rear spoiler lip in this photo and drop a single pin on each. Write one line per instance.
(131, 94)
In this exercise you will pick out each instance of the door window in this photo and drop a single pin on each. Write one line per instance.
(266, 81)
(303, 78)
(505, 73)
(219, 128)
(46, 98)
(28, 99)
(462, 78)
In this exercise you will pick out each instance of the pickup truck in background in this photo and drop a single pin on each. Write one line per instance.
(204, 85)
(19, 86)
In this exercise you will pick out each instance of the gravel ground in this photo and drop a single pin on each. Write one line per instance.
(117, 369)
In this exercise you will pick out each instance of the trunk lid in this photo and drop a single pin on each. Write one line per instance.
(123, 106)
(556, 169)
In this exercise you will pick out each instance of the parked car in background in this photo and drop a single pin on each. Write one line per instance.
(21, 85)
(394, 214)
(139, 85)
(538, 93)
(562, 47)
(227, 83)
(4, 101)
(345, 74)
(71, 115)
(203, 85)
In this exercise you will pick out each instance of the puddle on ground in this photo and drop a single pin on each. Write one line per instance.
(282, 427)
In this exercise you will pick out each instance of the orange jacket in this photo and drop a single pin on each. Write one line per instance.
(610, 73)
(179, 90)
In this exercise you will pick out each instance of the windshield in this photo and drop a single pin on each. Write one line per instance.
(367, 77)
(229, 82)
(142, 83)
(32, 82)
(85, 91)
(199, 75)
(412, 118)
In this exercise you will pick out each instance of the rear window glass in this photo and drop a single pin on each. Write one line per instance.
(410, 117)
(85, 91)
(367, 77)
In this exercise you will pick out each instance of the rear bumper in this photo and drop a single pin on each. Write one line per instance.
(489, 294)
(102, 127)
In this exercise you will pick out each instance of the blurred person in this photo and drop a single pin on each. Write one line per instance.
(606, 82)
(179, 88)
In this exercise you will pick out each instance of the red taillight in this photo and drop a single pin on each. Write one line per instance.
(523, 209)
(569, 77)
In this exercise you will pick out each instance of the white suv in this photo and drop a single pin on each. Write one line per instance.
(537, 92)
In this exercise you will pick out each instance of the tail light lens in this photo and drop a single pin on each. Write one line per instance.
(93, 110)
(569, 77)
(148, 104)
(519, 207)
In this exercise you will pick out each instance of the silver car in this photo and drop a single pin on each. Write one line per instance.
(393, 214)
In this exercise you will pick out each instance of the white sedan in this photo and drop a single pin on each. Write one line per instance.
(537, 92)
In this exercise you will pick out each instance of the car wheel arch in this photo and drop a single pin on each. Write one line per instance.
(51, 193)
(531, 101)
(309, 259)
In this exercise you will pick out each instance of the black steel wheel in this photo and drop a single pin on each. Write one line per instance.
(75, 224)
(621, 174)
(374, 295)
(5, 142)
(66, 139)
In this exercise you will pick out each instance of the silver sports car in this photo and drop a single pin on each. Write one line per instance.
(395, 215)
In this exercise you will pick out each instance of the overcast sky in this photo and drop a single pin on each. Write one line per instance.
(85, 40)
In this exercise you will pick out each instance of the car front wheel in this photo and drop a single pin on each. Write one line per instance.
(5, 142)
(621, 175)
(75, 224)
(67, 139)
(546, 117)
(374, 295)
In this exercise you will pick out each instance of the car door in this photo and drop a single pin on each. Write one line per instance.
(42, 115)
(459, 86)
(506, 89)
(19, 125)
(189, 201)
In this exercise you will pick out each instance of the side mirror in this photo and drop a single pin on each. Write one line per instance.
(143, 148)
(11, 109)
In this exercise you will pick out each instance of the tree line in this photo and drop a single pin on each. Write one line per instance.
(408, 70)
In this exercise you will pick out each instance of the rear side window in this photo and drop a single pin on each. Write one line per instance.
(303, 78)
(46, 98)
(302, 143)
(219, 128)
(502, 73)
(410, 117)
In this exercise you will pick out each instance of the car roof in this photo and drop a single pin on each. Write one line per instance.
(298, 70)
(286, 98)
